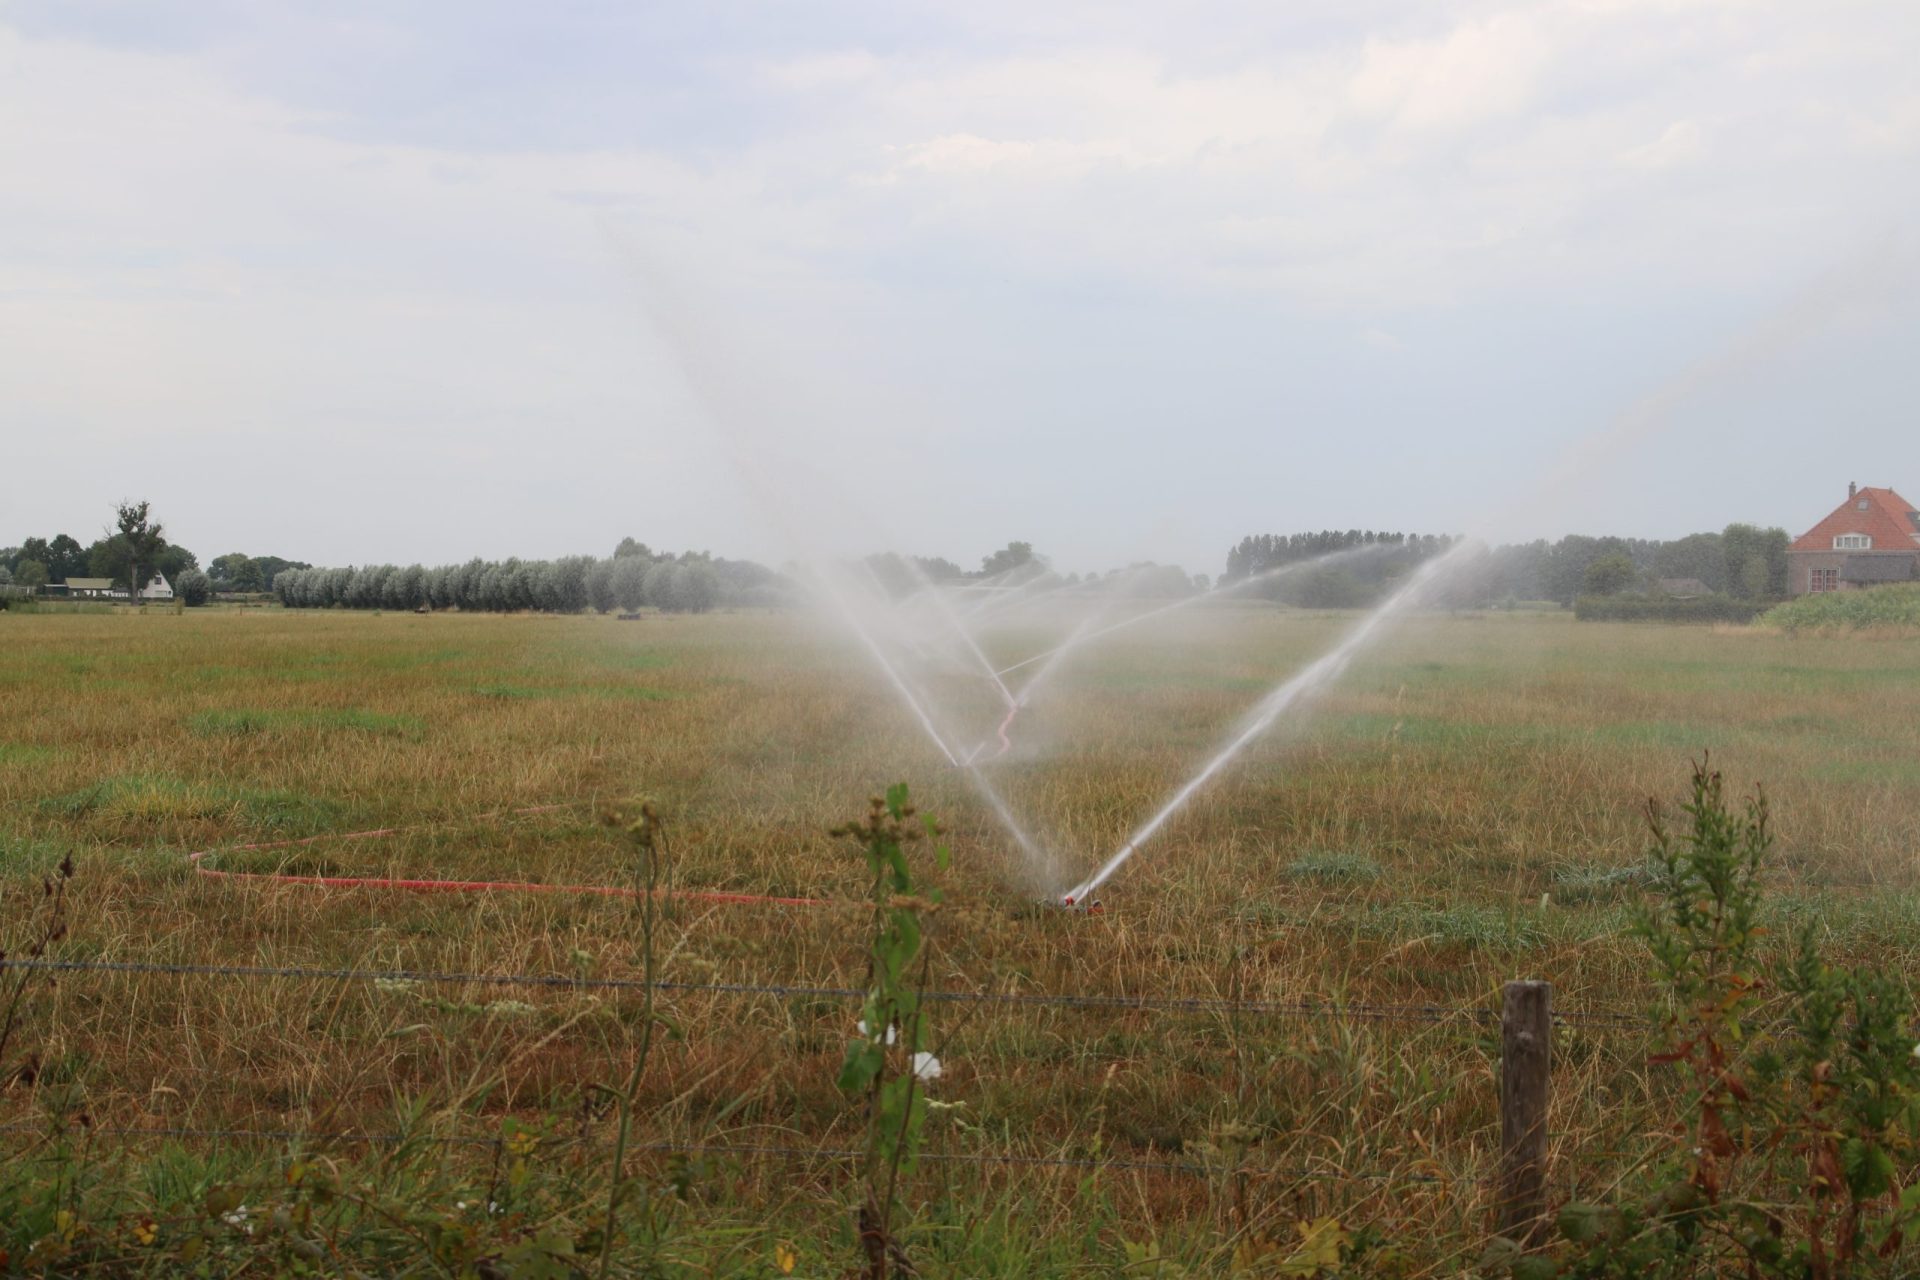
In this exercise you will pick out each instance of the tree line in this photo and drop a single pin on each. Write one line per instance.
(634, 577)
(140, 548)
(137, 546)
(1345, 583)
(1742, 562)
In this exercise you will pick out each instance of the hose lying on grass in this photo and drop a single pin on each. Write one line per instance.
(198, 860)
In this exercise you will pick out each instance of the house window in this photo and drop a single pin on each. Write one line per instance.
(1852, 542)
(1823, 580)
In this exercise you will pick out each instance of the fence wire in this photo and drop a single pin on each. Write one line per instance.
(1401, 1013)
(1001, 1159)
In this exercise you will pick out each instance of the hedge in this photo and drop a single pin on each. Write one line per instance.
(1665, 609)
(1897, 606)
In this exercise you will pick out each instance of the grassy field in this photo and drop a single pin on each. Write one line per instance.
(1467, 807)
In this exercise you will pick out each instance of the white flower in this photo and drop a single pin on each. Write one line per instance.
(238, 1218)
(1916, 1051)
(892, 1032)
(926, 1066)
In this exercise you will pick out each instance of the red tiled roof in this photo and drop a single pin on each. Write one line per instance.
(1889, 520)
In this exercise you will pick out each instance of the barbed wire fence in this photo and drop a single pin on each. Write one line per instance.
(1523, 1076)
(1340, 1011)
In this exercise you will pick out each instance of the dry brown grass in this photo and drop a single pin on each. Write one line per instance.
(1464, 809)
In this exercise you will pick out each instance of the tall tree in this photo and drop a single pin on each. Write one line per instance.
(1608, 575)
(1698, 555)
(1011, 556)
(68, 558)
(1756, 560)
(238, 572)
(141, 537)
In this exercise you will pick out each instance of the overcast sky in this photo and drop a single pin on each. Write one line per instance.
(363, 281)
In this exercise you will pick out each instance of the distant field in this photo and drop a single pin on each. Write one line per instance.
(1466, 807)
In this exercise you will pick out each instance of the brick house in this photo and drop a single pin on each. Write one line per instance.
(1871, 538)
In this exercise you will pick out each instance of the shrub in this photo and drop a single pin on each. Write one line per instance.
(630, 581)
(1657, 609)
(1895, 606)
(194, 587)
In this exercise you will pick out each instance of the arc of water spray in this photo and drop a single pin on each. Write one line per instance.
(1187, 602)
(1074, 639)
(892, 673)
(1308, 681)
(1018, 702)
(1042, 864)
(945, 609)
(998, 597)
(693, 346)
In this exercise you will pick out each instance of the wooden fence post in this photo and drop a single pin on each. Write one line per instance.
(1526, 1040)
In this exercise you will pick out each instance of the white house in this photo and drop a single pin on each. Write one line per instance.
(158, 589)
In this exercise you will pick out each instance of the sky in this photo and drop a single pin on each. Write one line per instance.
(355, 281)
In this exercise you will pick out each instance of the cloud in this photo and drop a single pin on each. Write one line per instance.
(1477, 72)
(1010, 234)
(1681, 143)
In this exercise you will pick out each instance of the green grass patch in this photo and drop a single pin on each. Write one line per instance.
(1867, 771)
(636, 660)
(1334, 867)
(138, 796)
(607, 693)
(29, 855)
(21, 754)
(58, 606)
(1593, 882)
(1462, 924)
(290, 812)
(151, 798)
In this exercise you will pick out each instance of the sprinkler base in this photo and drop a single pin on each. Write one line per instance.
(1084, 906)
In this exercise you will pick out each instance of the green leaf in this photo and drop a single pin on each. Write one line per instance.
(1499, 1256)
(897, 862)
(1588, 1223)
(863, 1062)
(897, 800)
(1868, 1167)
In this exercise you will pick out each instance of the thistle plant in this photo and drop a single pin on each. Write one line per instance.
(45, 924)
(648, 837)
(888, 1062)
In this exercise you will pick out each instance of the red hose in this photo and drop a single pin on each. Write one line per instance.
(463, 886)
